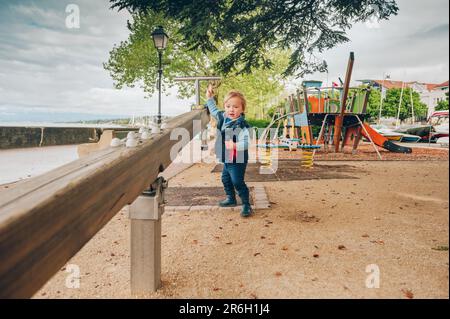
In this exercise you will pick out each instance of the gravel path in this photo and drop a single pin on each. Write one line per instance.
(316, 241)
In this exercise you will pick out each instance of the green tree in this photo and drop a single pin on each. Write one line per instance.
(135, 62)
(260, 87)
(391, 103)
(442, 106)
(373, 105)
(252, 27)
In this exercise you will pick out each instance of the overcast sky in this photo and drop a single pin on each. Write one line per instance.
(46, 67)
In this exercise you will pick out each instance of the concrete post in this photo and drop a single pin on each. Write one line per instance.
(145, 215)
(204, 138)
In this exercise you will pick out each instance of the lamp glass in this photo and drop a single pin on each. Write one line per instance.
(160, 38)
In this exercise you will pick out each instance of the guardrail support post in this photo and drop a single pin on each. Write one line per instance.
(204, 137)
(145, 252)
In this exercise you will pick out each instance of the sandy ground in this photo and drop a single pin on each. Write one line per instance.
(316, 242)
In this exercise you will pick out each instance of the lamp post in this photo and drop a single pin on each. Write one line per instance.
(160, 40)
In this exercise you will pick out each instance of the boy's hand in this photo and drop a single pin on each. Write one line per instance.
(209, 92)
(230, 145)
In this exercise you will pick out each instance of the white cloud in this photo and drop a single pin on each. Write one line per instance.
(411, 46)
(46, 66)
(373, 23)
(55, 69)
(38, 16)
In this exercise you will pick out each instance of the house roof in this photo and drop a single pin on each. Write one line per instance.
(442, 85)
(388, 84)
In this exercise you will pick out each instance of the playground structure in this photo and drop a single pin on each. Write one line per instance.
(339, 111)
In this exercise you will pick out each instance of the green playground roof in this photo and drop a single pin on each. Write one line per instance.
(312, 84)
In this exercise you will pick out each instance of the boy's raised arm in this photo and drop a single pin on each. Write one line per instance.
(211, 104)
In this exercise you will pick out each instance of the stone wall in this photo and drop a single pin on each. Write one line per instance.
(21, 137)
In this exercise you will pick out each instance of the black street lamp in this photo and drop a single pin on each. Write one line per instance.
(160, 40)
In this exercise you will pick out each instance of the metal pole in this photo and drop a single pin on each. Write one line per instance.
(397, 124)
(381, 98)
(320, 95)
(197, 92)
(197, 80)
(159, 86)
(322, 129)
(412, 105)
(370, 138)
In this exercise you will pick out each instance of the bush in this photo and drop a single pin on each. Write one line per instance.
(258, 123)
(442, 106)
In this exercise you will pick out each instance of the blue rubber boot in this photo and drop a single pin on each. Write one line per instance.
(229, 202)
(246, 210)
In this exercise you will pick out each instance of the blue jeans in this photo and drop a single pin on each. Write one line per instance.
(233, 178)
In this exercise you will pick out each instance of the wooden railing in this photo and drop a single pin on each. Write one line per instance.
(46, 220)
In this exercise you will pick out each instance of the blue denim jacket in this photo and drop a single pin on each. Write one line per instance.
(228, 129)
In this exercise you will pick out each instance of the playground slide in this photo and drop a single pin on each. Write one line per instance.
(383, 142)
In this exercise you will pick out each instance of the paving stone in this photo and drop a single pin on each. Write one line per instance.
(199, 208)
(178, 208)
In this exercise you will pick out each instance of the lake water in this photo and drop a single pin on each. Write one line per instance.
(49, 124)
(23, 163)
(18, 164)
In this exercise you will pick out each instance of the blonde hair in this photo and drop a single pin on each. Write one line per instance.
(233, 94)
